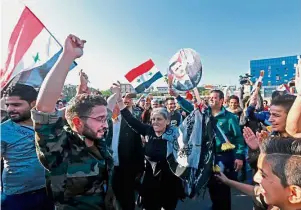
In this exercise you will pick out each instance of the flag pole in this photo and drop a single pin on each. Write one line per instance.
(46, 29)
(43, 25)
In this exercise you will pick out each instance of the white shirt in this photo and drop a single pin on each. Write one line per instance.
(115, 139)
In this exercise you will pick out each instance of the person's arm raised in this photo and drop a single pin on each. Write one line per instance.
(184, 104)
(83, 84)
(135, 124)
(53, 84)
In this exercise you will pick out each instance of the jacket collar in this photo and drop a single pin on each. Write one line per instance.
(222, 112)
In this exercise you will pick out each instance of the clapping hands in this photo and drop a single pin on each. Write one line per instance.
(252, 140)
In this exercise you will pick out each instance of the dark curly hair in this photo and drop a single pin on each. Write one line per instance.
(83, 104)
(25, 92)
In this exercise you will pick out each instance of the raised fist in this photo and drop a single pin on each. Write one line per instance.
(74, 47)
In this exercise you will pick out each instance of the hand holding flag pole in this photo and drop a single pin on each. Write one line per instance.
(170, 79)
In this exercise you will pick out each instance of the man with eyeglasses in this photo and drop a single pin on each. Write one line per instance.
(76, 155)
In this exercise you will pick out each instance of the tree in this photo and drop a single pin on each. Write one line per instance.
(201, 89)
(106, 93)
(69, 91)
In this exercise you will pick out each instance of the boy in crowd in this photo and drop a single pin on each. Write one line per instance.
(278, 176)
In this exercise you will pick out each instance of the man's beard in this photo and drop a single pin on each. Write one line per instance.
(20, 117)
(91, 135)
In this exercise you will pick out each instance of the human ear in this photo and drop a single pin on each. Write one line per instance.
(32, 104)
(295, 194)
(77, 123)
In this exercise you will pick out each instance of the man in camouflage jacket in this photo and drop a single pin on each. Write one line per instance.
(79, 162)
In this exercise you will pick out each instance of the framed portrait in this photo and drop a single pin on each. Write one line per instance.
(185, 70)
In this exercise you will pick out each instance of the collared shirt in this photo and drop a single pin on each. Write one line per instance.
(22, 170)
(78, 173)
(126, 143)
(115, 139)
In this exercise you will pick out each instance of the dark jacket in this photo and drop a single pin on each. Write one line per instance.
(130, 149)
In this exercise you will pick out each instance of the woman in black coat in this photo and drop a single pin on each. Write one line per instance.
(160, 187)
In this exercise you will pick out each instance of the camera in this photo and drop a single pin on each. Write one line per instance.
(244, 79)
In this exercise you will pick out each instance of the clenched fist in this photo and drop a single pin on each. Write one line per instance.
(74, 47)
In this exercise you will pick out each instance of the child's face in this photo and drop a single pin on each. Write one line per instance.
(271, 188)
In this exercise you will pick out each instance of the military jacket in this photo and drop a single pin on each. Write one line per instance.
(79, 174)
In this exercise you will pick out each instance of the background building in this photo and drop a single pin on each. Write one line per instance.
(127, 88)
(277, 70)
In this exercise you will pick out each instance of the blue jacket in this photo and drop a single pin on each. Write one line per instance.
(259, 116)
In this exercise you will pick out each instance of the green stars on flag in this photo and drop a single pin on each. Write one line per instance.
(138, 80)
(150, 73)
(36, 58)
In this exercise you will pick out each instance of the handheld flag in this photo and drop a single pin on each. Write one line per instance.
(32, 49)
(143, 76)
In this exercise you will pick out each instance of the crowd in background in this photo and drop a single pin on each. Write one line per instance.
(96, 153)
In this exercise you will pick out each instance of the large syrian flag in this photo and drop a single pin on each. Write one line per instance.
(143, 76)
(32, 49)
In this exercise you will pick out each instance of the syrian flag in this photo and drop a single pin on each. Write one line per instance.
(32, 49)
(143, 76)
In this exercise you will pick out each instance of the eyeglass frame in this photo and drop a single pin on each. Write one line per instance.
(95, 118)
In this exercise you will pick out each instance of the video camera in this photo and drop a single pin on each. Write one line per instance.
(245, 79)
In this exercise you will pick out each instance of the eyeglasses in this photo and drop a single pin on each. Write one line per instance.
(99, 119)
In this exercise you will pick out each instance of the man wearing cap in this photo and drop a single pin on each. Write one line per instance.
(128, 156)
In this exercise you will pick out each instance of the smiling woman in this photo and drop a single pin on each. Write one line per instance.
(159, 181)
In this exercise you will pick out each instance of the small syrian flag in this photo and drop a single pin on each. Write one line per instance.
(32, 49)
(143, 76)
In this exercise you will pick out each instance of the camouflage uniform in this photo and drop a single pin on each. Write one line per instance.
(79, 174)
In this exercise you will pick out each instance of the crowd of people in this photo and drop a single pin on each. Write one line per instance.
(97, 153)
